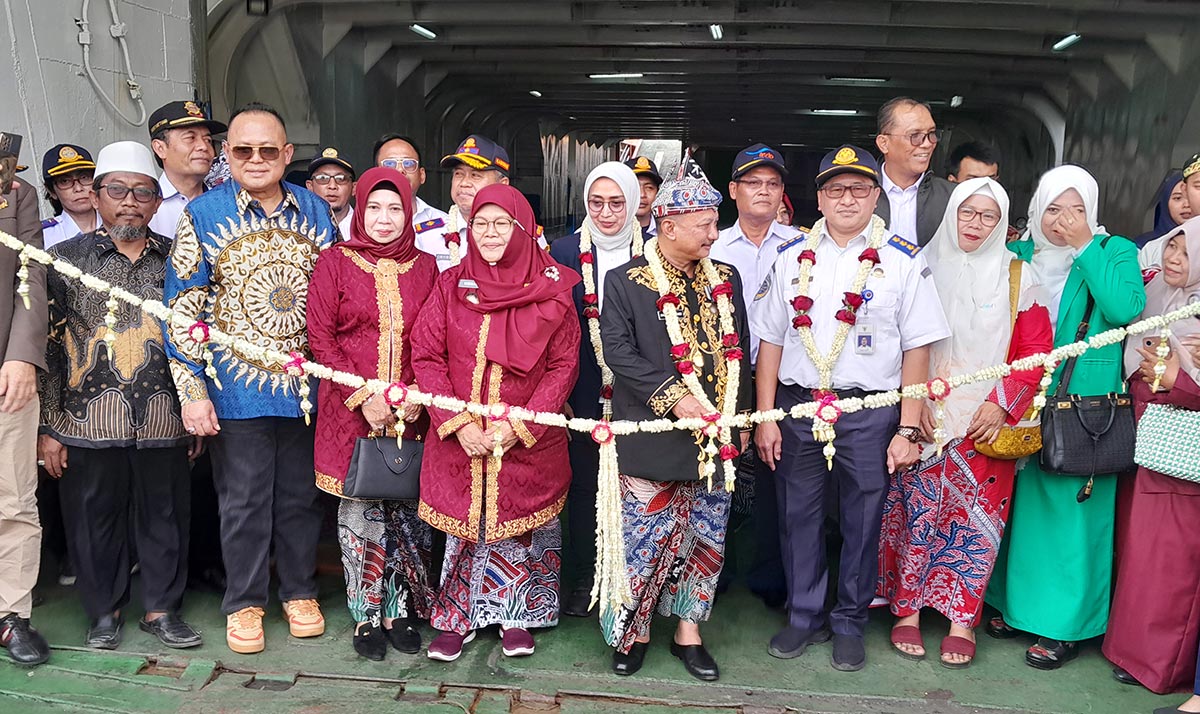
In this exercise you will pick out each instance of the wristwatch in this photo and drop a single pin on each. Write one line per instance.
(912, 433)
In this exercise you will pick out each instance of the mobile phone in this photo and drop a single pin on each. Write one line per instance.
(1150, 343)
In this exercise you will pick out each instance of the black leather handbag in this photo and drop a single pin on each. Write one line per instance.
(380, 470)
(1086, 435)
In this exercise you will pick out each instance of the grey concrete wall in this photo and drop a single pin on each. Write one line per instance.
(47, 98)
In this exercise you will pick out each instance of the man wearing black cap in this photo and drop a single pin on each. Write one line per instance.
(649, 181)
(332, 178)
(477, 162)
(847, 311)
(67, 172)
(181, 137)
(750, 245)
(23, 322)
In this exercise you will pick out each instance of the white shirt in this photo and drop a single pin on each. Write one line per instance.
(62, 228)
(903, 205)
(166, 220)
(431, 225)
(344, 224)
(753, 262)
(652, 229)
(904, 313)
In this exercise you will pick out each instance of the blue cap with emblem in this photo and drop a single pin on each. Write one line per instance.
(752, 157)
(847, 159)
(478, 152)
(65, 159)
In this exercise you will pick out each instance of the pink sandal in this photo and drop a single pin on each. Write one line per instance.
(908, 635)
(953, 644)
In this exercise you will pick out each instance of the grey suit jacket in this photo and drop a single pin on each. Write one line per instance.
(932, 197)
(22, 332)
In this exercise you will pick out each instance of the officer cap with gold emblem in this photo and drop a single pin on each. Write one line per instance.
(177, 115)
(10, 145)
(479, 152)
(1191, 167)
(330, 156)
(65, 159)
(643, 166)
(848, 159)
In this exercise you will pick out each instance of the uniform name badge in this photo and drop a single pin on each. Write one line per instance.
(864, 338)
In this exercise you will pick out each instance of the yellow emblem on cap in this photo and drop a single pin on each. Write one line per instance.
(469, 143)
(329, 154)
(643, 162)
(192, 109)
(66, 154)
(845, 156)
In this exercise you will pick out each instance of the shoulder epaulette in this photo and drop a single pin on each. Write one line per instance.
(788, 244)
(49, 223)
(429, 225)
(904, 246)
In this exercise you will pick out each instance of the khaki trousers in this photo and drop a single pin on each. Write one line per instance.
(20, 530)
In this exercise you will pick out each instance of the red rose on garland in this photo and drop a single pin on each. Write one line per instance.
(729, 452)
(668, 299)
(591, 313)
(733, 353)
(729, 339)
(869, 254)
(586, 257)
(802, 303)
(722, 289)
(808, 255)
(591, 299)
(686, 367)
(680, 351)
(853, 301)
(606, 392)
(845, 316)
(801, 321)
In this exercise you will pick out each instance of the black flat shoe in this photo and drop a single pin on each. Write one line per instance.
(791, 642)
(697, 661)
(405, 636)
(576, 604)
(1125, 677)
(25, 645)
(849, 653)
(105, 633)
(1051, 654)
(627, 664)
(172, 631)
(999, 629)
(370, 642)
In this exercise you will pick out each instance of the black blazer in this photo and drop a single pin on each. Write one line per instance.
(585, 397)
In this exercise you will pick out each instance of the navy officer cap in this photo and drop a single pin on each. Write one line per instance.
(848, 159)
(757, 155)
(479, 152)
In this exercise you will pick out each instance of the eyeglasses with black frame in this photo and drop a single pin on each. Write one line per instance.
(323, 179)
(917, 138)
(118, 192)
(857, 190)
(65, 182)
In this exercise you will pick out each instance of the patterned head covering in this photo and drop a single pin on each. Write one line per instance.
(688, 192)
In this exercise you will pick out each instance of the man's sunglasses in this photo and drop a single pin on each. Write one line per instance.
(243, 153)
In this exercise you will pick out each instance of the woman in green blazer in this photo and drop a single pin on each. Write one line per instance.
(1054, 574)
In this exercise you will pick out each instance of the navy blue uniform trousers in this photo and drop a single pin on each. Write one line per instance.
(860, 470)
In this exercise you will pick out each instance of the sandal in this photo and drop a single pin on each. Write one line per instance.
(1051, 654)
(908, 635)
(999, 629)
(953, 644)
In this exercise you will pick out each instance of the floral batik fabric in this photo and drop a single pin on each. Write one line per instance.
(512, 583)
(385, 555)
(674, 551)
(942, 526)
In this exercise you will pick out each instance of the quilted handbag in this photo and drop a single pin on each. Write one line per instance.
(1168, 441)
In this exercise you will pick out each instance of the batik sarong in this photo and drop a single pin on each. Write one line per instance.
(386, 557)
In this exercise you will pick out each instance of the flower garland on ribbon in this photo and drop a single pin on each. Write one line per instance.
(452, 237)
(714, 432)
(846, 316)
(1162, 351)
(938, 389)
(610, 587)
(591, 310)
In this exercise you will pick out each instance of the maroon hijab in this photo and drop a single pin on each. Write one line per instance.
(404, 247)
(520, 291)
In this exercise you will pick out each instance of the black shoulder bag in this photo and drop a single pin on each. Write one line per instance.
(381, 470)
(1086, 435)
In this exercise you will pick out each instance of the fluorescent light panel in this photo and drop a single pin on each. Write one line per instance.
(535, 93)
(617, 75)
(717, 31)
(835, 112)
(860, 80)
(423, 31)
(1067, 41)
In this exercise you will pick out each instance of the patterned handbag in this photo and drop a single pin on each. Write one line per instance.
(1168, 442)
(1025, 437)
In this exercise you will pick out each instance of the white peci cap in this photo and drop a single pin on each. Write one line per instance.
(127, 156)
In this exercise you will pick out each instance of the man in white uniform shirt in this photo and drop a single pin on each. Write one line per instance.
(893, 315)
(181, 136)
(397, 151)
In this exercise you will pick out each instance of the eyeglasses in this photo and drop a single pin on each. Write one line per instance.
(339, 179)
(65, 182)
(118, 192)
(756, 184)
(502, 225)
(243, 153)
(596, 205)
(405, 165)
(968, 214)
(917, 138)
(858, 190)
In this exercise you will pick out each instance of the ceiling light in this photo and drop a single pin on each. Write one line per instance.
(733, 119)
(258, 8)
(860, 80)
(534, 93)
(617, 75)
(573, 119)
(717, 31)
(423, 31)
(835, 112)
(1067, 41)
(956, 101)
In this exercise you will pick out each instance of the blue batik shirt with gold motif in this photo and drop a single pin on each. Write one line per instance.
(246, 273)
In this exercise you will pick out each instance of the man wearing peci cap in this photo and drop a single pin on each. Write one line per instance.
(67, 173)
(332, 178)
(847, 311)
(110, 423)
(181, 135)
(400, 152)
(649, 181)
(23, 352)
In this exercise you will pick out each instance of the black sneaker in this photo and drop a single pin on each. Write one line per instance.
(25, 645)
(849, 653)
(172, 631)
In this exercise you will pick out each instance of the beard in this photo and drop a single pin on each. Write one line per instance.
(127, 234)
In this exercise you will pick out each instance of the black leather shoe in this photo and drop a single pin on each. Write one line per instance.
(999, 629)
(405, 636)
(849, 653)
(792, 641)
(25, 645)
(105, 633)
(1125, 677)
(1051, 654)
(576, 604)
(697, 661)
(627, 664)
(370, 642)
(172, 631)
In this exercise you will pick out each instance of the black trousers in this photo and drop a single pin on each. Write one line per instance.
(584, 454)
(765, 578)
(263, 472)
(206, 519)
(97, 491)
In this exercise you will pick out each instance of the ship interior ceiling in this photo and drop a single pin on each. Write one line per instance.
(800, 75)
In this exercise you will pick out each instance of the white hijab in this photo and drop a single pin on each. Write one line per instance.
(974, 290)
(613, 250)
(1162, 298)
(1052, 263)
